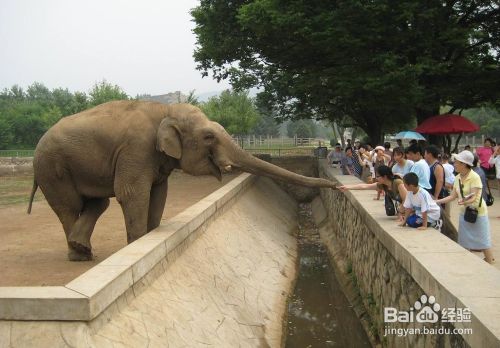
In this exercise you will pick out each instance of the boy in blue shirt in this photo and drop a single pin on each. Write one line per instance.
(420, 167)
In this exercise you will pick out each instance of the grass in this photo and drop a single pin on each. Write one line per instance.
(16, 190)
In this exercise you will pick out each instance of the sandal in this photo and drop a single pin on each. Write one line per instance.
(492, 261)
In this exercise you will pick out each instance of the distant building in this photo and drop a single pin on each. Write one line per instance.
(169, 98)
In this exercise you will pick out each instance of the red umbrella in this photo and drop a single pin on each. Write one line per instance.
(447, 124)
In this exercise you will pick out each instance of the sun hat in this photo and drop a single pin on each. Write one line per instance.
(380, 148)
(465, 157)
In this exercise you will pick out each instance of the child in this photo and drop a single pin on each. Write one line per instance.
(419, 202)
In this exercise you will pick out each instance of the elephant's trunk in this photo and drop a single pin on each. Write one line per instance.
(254, 165)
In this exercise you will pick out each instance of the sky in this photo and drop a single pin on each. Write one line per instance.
(145, 47)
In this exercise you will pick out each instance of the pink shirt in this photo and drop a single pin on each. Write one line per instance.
(484, 154)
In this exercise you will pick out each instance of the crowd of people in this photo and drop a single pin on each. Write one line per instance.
(419, 183)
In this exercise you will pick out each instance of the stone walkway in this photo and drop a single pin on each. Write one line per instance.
(494, 216)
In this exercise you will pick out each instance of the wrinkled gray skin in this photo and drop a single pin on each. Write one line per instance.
(127, 149)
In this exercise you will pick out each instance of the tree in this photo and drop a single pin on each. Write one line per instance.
(301, 129)
(26, 116)
(67, 102)
(267, 124)
(26, 125)
(16, 93)
(378, 63)
(50, 116)
(489, 119)
(235, 111)
(192, 99)
(5, 133)
(39, 93)
(103, 92)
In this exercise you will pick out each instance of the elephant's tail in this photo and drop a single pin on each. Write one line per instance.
(33, 190)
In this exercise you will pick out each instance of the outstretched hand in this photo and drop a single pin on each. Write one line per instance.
(341, 188)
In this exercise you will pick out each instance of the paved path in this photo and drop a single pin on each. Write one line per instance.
(494, 215)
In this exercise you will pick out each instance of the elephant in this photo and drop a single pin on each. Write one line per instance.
(127, 149)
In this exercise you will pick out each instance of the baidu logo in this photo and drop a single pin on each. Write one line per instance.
(428, 309)
(425, 310)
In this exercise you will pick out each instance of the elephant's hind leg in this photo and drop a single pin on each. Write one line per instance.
(79, 238)
(67, 204)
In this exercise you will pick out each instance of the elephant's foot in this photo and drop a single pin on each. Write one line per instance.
(79, 252)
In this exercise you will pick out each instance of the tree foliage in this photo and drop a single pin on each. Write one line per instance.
(267, 124)
(235, 111)
(372, 64)
(488, 118)
(301, 128)
(103, 92)
(26, 115)
(192, 99)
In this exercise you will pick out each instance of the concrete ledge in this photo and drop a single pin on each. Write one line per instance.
(441, 267)
(91, 293)
(42, 303)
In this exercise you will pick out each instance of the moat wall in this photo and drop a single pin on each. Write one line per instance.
(391, 266)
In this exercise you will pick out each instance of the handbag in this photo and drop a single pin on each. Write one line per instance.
(489, 197)
(471, 213)
(390, 208)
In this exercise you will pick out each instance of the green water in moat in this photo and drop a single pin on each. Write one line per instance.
(319, 314)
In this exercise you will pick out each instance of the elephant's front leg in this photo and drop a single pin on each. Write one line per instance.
(157, 200)
(134, 200)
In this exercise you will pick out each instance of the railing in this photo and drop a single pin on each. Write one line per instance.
(472, 140)
(16, 153)
(280, 152)
(254, 144)
(279, 145)
(270, 142)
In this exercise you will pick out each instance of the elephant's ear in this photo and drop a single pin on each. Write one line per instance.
(168, 139)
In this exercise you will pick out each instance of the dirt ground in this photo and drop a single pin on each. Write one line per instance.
(33, 249)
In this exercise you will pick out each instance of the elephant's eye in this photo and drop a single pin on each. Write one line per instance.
(209, 137)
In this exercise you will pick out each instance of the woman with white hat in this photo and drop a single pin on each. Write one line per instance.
(380, 159)
(467, 188)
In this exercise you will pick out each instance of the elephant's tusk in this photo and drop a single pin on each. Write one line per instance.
(228, 168)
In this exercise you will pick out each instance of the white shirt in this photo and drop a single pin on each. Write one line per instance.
(449, 177)
(495, 161)
(422, 202)
(402, 171)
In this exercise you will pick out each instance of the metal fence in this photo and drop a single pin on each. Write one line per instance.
(270, 142)
(17, 153)
(472, 140)
(280, 152)
(283, 146)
